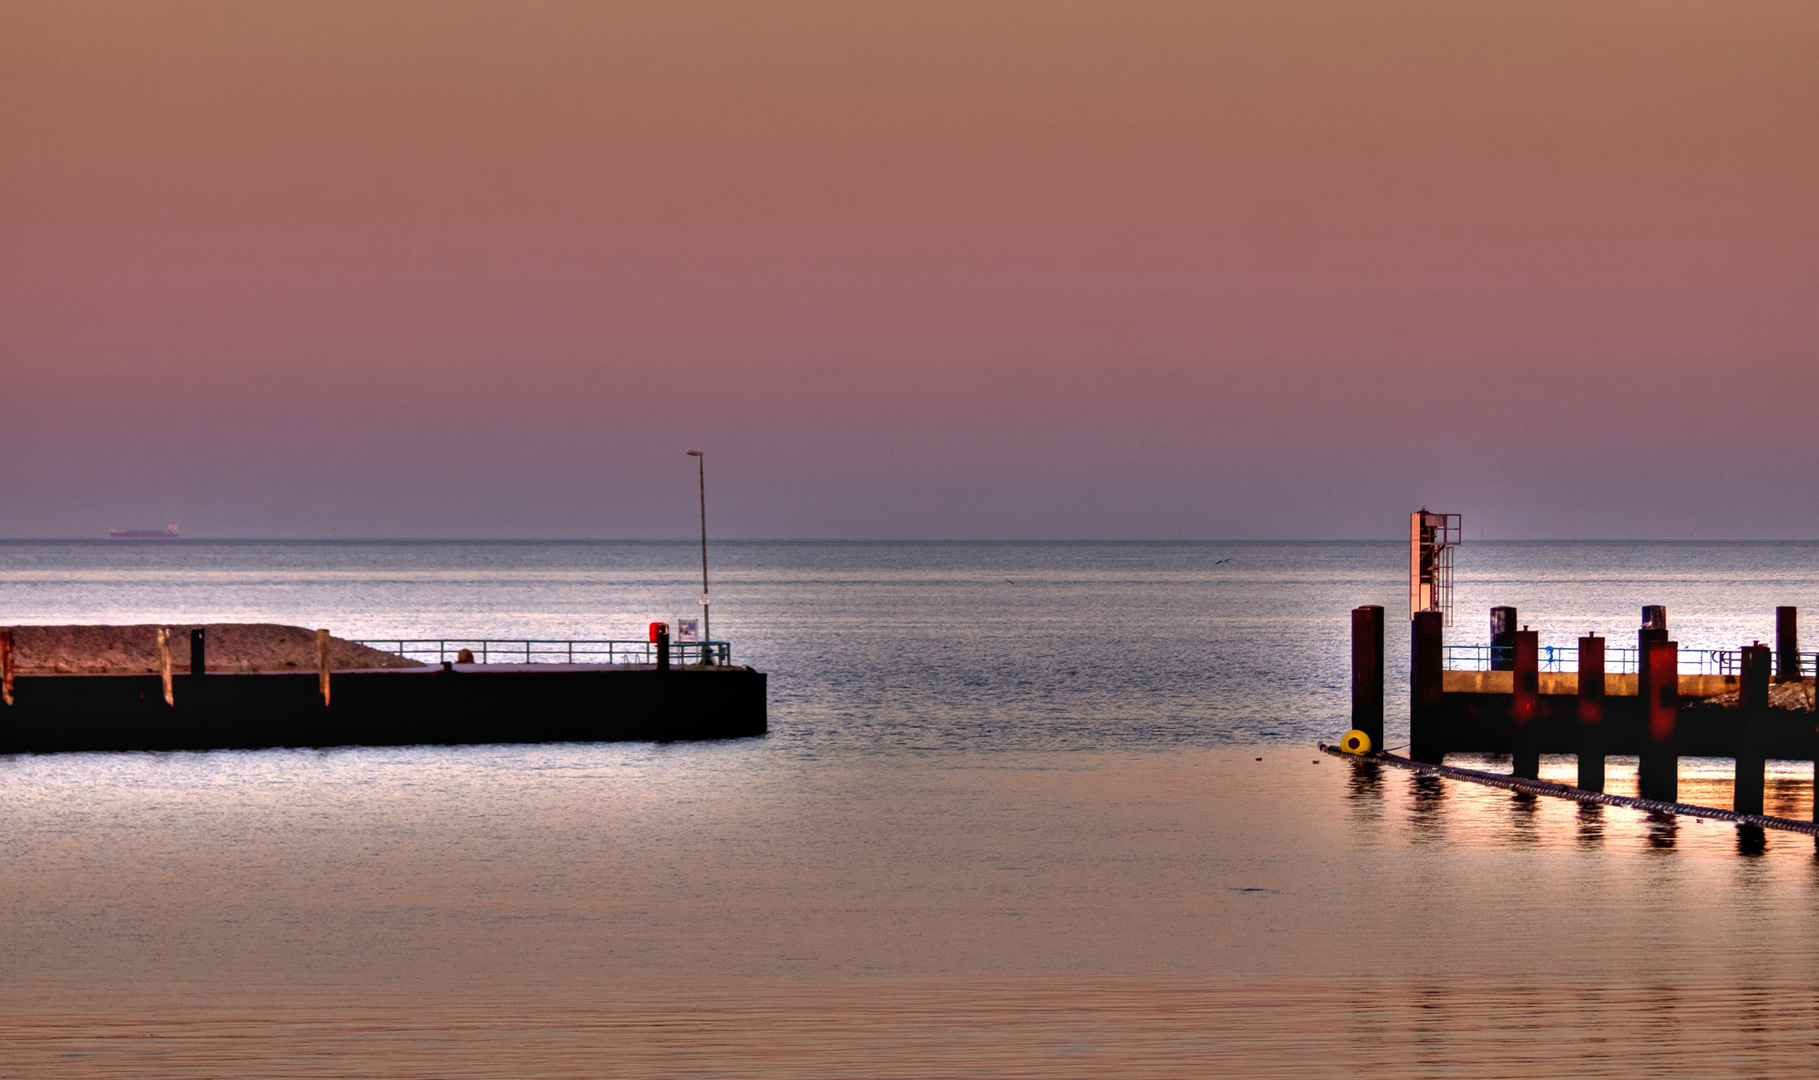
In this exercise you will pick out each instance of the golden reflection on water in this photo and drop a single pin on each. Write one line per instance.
(1067, 1025)
(724, 911)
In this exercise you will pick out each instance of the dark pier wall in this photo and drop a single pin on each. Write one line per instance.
(1483, 723)
(494, 704)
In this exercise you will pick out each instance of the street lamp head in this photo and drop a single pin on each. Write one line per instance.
(694, 453)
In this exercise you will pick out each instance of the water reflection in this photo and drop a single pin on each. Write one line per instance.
(1589, 822)
(1751, 840)
(1427, 805)
(1524, 809)
(1365, 793)
(1663, 829)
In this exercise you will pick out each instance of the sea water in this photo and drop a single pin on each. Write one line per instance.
(1026, 809)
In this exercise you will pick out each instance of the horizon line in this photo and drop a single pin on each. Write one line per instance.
(167, 540)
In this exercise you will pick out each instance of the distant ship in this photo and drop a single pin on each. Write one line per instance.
(144, 534)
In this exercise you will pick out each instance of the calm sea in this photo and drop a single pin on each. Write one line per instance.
(1027, 809)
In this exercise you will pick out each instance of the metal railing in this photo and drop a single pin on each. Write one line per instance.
(540, 651)
(1618, 660)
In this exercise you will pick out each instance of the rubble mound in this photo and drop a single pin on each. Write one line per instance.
(1797, 696)
(232, 647)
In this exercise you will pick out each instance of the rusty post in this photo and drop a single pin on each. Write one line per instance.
(1525, 701)
(322, 668)
(1752, 703)
(1367, 672)
(1591, 713)
(1787, 644)
(1427, 682)
(6, 665)
(1503, 638)
(1654, 629)
(1660, 766)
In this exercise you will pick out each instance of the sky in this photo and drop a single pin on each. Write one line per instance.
(910, 270)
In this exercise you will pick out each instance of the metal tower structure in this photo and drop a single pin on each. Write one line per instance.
(1431, 540)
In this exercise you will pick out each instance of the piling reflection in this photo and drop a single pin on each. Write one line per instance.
(1364, 794)
(1427, 803)
(1589, 825)
(1751, 840)
(1524, 809)
(1663, 829)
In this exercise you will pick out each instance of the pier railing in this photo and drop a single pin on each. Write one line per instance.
(550, 651)
(1618, 660)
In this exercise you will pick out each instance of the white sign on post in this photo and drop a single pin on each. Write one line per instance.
(703, 599)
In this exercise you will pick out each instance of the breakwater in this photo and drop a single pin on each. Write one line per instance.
(446, 703)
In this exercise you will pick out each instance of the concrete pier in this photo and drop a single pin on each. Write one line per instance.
(1660, 766)
(1658, 714)
(1525, 701)
(1591, 713)
(1427, 685)
(1367, 672)
(1752, 764)
(1503, 638)
(1787, 644)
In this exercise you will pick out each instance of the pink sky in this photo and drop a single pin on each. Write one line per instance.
(919, 270)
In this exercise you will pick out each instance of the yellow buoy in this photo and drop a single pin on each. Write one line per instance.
(1355, 742)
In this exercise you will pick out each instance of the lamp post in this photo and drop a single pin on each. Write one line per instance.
(706, 633)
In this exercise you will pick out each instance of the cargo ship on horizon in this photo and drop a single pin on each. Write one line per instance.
(144, 534)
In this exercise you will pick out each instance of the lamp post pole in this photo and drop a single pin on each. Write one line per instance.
(706, 632)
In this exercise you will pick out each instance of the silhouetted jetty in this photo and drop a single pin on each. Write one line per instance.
(595, 691)
(1654, 701)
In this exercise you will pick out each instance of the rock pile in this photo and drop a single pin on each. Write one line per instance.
(133, 650)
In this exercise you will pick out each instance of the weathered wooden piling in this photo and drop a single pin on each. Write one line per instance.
(1591, 713)
(322, 665)
(164, 666)
(662, 632)
(1752, 766)
(1427, 684)
(6, 666)
(1787, 644)
(1503, 638)
(1660, 764)
(1525, 700)
(1367, 672)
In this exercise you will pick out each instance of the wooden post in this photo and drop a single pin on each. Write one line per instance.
(1752, 704)
(6, 665)
(1525, 702)
(1660, 779)
(1591, 713)
(322, 665)
(1787, 644)
(164, 665)
(1427, 682)
(1367, 672)
(662, 647)
(198, 653)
